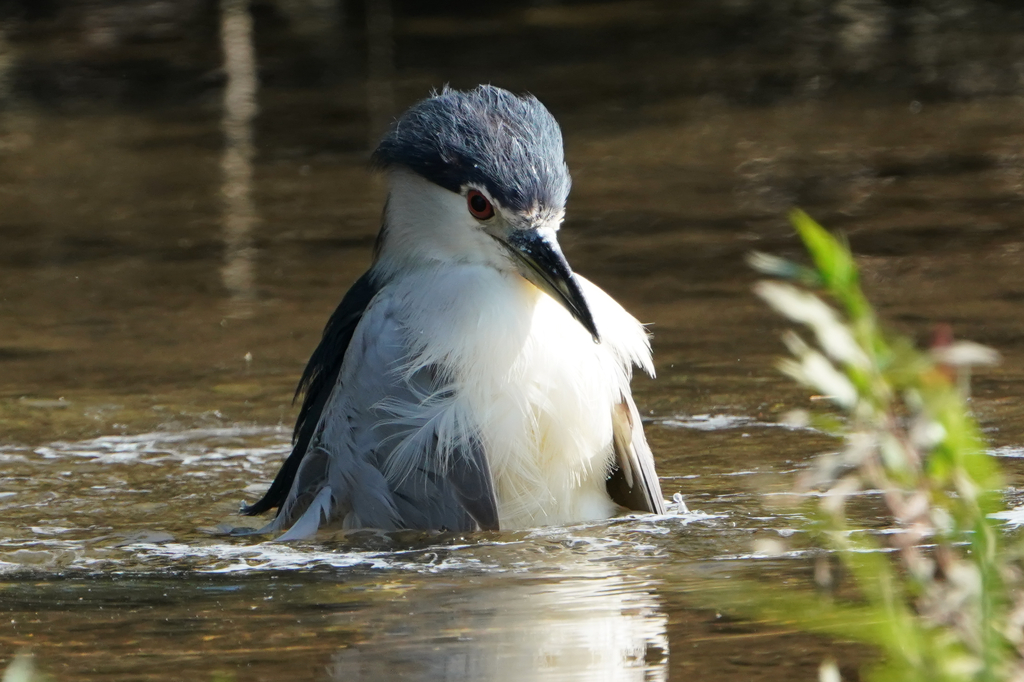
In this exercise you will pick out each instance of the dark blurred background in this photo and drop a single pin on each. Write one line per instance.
(76, 55)
(141, 53)
(184, 193)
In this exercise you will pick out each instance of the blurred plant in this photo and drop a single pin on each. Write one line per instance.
(938, 596)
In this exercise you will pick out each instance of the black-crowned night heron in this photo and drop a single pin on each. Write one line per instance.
(469, 380)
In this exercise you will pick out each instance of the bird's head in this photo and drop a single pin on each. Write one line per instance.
(479, 177)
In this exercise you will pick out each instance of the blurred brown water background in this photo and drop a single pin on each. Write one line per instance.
(184, 197)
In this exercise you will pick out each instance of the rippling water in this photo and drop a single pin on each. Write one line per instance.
(168, 262)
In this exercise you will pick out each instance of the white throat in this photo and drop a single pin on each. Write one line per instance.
(426, 225)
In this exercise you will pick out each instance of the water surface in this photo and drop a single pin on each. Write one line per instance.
(165, 275)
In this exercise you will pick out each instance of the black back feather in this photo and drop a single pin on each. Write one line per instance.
(317, 382)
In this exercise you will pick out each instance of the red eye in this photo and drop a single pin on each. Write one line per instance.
(478, 205)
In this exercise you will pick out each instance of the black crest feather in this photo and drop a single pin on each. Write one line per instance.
(489, 137)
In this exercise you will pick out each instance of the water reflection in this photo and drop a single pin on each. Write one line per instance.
(591, 625)
(865, 28)
(380, 72)
(6, 66)
(236, 163)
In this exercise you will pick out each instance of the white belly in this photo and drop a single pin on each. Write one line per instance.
(530, 380)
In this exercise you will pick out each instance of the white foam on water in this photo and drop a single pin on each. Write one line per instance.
(722, 422)
(187, 447)
(1013, 517)
(1008, 451)
(622, 536)
(709, 422)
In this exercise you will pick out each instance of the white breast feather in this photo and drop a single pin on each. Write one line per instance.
(529, 379)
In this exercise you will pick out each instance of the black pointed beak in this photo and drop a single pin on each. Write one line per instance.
(541, 262)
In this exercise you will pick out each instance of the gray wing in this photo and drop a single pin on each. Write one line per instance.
(317, 380)
(374, 459)
(633, 482)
